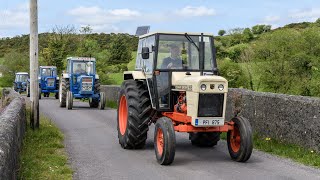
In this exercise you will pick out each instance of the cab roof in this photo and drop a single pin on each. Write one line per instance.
(22, 73)
(82, 58)
(175, 33)
(48, 67)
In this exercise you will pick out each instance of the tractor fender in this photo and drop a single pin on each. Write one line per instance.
(136, 75)
(65, 75)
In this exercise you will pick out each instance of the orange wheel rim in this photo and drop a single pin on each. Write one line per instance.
(123, 115)
(235, 139)
(160, 143)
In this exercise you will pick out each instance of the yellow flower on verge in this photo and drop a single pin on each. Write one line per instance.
(268, 139)
(311, 151)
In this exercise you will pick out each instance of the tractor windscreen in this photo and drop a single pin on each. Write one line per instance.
(177, 52)
(21, 78)
(48, 72)
(83, 67)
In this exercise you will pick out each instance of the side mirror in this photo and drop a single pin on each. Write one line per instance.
(145, 53)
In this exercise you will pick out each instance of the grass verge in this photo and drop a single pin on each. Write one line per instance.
(112, 104)
(296, 153)
(43, 155)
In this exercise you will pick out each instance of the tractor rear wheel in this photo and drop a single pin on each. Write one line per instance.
(204, 139)
(240, 140)
(64, 86)
(164, 141)
(134, 113)
(69, 100)
(102, 102)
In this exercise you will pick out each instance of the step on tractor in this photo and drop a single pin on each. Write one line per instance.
(20, 83)
(176, 86)
(48, 81)
(80, 81)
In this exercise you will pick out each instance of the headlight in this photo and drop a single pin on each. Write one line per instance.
(203, 87)
(221, 87)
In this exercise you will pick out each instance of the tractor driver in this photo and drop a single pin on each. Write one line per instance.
(174, 61)
(79, 69)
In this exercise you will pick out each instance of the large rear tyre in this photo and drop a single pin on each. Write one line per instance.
(102, 102)
(240, 140)
(204, 139)
(69, 100)
(164, 141)
(63, 88)
(134, 113)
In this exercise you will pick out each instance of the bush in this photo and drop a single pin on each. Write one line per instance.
(233, 73)
(234, 52)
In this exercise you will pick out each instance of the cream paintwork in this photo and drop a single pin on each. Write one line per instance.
(180, 78)
(136, 74)
(195, 79)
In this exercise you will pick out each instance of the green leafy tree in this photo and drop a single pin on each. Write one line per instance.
(259, 29)
(221, 32)
(13, 62)
(119, 51)
(247, 34)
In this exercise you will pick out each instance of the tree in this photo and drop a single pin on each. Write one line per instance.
(248, 36)
(221, 32)
(259, 29)
(119, 51)
(86, 29)
(13, 62)
(61, 42)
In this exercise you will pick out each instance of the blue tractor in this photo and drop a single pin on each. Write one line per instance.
(48, 81)
(20, 83)
(80, 81)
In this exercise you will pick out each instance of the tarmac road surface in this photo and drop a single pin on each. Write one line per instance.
(94, 152)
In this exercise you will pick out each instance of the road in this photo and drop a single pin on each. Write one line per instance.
(94, 152)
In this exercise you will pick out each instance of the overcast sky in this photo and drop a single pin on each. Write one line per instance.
(162, 15)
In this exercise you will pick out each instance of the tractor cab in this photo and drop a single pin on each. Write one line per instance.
(176, 64)
(48, 81)
(21, 82)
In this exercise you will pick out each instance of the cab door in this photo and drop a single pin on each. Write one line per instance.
(148, 66)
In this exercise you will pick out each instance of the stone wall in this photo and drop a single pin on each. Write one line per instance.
(12, 129)
(292, 119)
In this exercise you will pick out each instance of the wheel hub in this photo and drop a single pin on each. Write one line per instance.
(123, 115)
(235, 139)
(160, 141)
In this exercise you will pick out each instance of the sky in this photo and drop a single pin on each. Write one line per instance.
(124, 16)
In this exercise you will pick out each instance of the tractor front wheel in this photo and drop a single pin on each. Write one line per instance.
(56, 95)
(102, 102)
(204, 139)
(63, 88)
(164, 141)
(69, 100)
(134, 113)
(240, 140)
